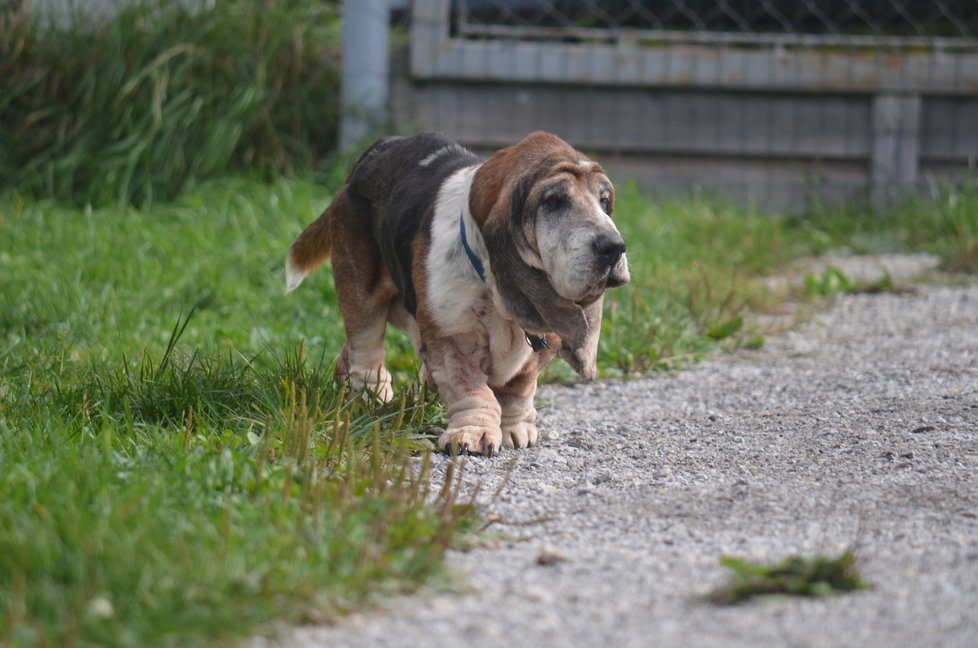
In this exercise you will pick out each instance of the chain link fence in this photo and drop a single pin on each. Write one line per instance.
(833, 23)
(768, 102)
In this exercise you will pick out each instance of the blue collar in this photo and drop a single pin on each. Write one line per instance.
(536, 342)
(473, 259)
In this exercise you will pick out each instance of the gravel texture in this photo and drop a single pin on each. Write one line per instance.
(859, 428)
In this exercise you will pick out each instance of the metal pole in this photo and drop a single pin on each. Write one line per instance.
(365, 68)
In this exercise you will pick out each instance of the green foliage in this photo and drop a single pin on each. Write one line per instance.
(192, 499)
(831, 281)
(795, 576)
(117, 531)
(160, 97)
(170, 480)
(945, 224)
(725, 329)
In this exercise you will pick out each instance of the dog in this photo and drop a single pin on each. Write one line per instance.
(495, 267)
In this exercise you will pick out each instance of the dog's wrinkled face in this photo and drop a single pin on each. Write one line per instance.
(545, 212)
(568, 231)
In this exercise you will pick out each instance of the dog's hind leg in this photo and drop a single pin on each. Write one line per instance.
(365, 291)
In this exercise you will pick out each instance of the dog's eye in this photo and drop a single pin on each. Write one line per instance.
(554, 201)
(606, 203)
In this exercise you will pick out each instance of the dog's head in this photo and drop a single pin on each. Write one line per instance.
(545, 213)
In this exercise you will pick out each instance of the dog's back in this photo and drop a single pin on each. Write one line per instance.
(390, 191)
(393, 187)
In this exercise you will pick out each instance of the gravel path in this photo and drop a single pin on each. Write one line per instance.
(859, 428)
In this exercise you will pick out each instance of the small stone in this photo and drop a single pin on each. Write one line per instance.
(579, 443)
(549, 555)
(601, 478)
(548, 489)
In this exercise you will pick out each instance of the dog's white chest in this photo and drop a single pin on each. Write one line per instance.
(461, 302)
(508, 349)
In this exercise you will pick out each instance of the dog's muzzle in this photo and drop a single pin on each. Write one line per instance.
(609, 252)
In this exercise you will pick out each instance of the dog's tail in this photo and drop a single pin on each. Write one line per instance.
(312, 248)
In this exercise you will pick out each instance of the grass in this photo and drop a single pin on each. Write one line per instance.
(121, 530)
(693, 265)
(136, 108)
(177, 467)
(812, 577)
(944, 223)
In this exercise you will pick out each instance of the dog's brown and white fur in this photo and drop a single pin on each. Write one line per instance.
(495, 267)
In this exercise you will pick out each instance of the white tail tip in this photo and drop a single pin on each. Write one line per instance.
(293, 275)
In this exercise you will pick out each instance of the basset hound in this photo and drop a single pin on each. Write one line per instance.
(494, 266)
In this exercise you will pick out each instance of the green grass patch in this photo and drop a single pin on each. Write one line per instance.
(161, 96)
(177, 466)
(121, 528)
(187, 499)
(812, 577)
(944, 223)
(695, 266)
(946, 226)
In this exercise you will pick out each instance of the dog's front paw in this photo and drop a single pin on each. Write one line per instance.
(371, 384)
(520, 435)
(471, 439)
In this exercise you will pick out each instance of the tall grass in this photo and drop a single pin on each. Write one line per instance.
(135, 108)
(944, 223)
(272, 501)
(177, 480)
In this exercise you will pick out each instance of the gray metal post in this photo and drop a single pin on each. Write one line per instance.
(365, 68)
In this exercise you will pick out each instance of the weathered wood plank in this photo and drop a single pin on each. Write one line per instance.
(635, 121)
(699, 66)
(949, 129)
(769, 184)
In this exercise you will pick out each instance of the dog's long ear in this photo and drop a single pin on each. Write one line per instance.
(584, 357)
(527, 292)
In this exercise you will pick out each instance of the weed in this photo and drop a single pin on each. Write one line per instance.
(831, 281)
(143, 508)
(795, 576)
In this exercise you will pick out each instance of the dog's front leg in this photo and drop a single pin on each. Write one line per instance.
(518, 420)
(473, 412)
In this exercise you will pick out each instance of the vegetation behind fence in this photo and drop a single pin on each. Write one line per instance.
(135, 107)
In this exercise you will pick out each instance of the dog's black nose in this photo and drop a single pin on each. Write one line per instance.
(608, 249)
